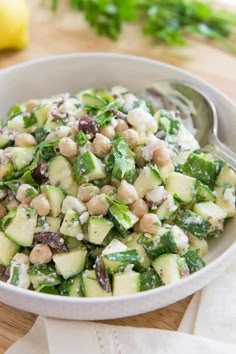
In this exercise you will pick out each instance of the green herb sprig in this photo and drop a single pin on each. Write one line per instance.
(165, 21)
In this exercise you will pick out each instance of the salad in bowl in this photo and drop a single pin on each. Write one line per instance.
(102, 194)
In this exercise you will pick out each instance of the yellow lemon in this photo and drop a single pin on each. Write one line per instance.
(14, 24)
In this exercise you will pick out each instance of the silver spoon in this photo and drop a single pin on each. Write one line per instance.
(198, 112)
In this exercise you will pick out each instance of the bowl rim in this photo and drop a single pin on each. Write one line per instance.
(224, 257)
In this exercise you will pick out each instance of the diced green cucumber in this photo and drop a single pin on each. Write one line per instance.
(226, 176)
(150, 280)
(72, 287)
(18, 124)
(22, 227)
(126, 283)
(194, 224)
(41, 114)
(170, 268)
(87, 167)
(132, 243)
(51, 124)
(204, 193)
(47, 289)
(180, 159)
(167, 208)
(148, 179)
(22, 156)
(70, 263)
(199, 167)
(43, 274)
(166, 170)
(181, 187)
(55, 197)
(19, 271)
(225, 199)
(200, 246)
(123, 222)
(117, 256)
(71, 225)
(8, 249)
(73, 203)
(92, 100)
(60, 174)
(48, 223)
(211, 212)
(91, 287)
(4, 140)
(98, 228)
(194, 261)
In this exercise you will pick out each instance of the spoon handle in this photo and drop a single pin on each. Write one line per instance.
(221, 151)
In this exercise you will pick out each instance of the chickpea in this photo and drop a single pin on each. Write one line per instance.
(40, 254)
(12, 204)
(98, 205)
(161, 156)
(87, 191)
(3, 210)
(20, 195)
(140, 162)
(101, 145)
(25, 139)
(41, 205)
(108, 189)
(150, 223)
(31, 104)
(132, 137)
(127, 193)
(108, 131)
(3, 171)
(67, 147)
(121, 126)
(51, 136)
(136, 227)
(139, 208)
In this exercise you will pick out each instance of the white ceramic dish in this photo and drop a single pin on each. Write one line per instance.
(74, 72)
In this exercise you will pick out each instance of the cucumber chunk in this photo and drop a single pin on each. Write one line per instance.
(225, 199)
(8, 249)
(70, 263)
(4, 140)
(43, 274)
(171, 268)
(199, 167)
(226, 176)
(181, 187)
(22, 156)
(60, 174)
(148, 179)
(126, 283)
(167, 208)
(93, 100)
(117, 256)
(193, 261)
(194, 224)
(73, 203)
(211, 212)
(41, 114)
(48, 223)
(132, 242)
(71, 225)
(22, 227)
(204, 193)
(98, 228)
(19, 271)
(55, 197)
(200, 246)
(87, 167)
(150, 280)
(71, 287)
(123, 222)
(162, 242)
(91, 287)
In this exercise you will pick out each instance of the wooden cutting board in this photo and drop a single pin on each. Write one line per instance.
(67, 34)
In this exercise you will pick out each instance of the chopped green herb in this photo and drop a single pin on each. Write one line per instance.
(81, 138)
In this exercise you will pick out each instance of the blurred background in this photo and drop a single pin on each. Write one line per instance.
(199, 36)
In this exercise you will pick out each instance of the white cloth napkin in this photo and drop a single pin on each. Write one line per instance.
(208, 327)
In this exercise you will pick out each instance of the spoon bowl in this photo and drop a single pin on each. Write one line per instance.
(198, 112)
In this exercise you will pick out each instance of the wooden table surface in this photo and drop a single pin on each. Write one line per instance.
(68, 34)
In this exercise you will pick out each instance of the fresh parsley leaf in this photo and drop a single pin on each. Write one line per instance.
(30, 192)
(104, 118)
(14, 111)
(40, 134)
(7, 219)
(29, 120)
(120, 206)
(81, 138)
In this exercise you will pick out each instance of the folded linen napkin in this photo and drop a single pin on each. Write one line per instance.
(208, 327)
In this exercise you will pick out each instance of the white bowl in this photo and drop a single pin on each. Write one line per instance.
(74, 72)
